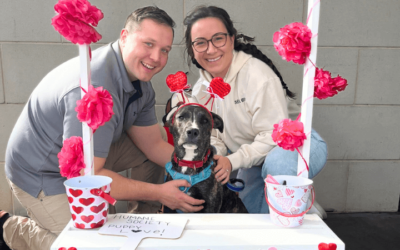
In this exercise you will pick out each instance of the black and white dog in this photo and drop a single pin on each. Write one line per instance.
(191, 125)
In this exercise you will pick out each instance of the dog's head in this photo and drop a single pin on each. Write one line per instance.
(191, 126)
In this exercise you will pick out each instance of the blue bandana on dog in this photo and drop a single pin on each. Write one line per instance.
(192, 179)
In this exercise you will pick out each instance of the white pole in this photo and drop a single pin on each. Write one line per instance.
(308, 87)
(87, 134)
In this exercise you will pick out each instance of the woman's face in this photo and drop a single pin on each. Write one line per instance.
(214, 60)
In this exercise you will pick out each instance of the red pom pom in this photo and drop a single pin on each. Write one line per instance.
(95, 108)
(75, 19)
(325, 86)
(177, 82)
(70, 157)
(293, 42)
(289, 134)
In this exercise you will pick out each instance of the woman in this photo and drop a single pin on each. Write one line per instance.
(258, 99)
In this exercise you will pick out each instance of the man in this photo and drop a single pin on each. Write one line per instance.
(131, 139)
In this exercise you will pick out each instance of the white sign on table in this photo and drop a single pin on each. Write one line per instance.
(137, 227)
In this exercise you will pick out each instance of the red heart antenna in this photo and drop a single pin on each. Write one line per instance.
(218, 88)
(177, 83)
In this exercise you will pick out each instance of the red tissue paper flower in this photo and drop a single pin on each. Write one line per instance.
(289, 134)
(95, 108)
(325, 86)
(75, 21)
(70, 157)
(293, 42)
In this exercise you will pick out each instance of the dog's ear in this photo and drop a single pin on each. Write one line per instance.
(218, 122)
(168, 108)
(169, 116)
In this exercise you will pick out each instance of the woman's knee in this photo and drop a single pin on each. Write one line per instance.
(280, 162)
(318, 154)
(284, 162)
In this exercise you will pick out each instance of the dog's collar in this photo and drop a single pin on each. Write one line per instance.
(192, 164)
(192, 179)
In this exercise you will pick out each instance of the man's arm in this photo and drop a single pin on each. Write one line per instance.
(148, 139)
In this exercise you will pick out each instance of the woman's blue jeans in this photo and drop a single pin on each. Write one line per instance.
(278, 162)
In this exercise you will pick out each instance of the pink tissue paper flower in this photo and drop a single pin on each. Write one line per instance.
(325, 86)
(95, 108)
(339, 83)
(293, 42)
(75, 19)
(81, 10)
(289, 134)
(70, 157)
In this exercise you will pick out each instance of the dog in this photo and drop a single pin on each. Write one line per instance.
(191, 125)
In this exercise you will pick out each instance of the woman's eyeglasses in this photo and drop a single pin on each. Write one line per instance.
(218, 40)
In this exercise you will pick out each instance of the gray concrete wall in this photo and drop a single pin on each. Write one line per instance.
(358, 39)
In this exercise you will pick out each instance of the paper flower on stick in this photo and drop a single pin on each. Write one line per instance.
(76, 19)
(293, 42)
(95, 108)
(70, 157)
(218, 88)
(325, 86)
(289, 134)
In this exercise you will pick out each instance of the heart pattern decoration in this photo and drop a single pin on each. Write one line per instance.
(291, 200)
(325, 246)
(88, 208)
(75, 193)
(97, 209)
(286, 203)
(177, 82)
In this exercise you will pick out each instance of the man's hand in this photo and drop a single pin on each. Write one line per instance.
(223, 169)
(172, 197)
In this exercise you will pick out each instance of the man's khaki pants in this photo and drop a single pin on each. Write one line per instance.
(48, 215)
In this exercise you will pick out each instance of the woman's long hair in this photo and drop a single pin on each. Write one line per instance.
(242, 42)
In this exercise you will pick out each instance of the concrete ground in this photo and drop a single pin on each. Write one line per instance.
(367, 231)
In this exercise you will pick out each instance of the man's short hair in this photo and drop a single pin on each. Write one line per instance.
(150, 12)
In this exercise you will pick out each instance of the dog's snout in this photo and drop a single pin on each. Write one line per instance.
(193, 133)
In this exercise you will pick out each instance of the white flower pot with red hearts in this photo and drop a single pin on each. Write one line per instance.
(88, 198)
(288, 203)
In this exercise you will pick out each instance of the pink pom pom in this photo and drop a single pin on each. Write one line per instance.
(289, 134)
(95, 108)
(81, 10)
(75, 19)
(70, 157)
(293, 42)
(325, 86)
(339, 83)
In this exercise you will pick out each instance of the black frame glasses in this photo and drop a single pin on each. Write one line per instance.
(212, 40)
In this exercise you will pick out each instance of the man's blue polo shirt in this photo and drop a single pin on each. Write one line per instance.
(49, 117)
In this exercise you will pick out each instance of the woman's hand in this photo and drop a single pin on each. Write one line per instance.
(223, 169)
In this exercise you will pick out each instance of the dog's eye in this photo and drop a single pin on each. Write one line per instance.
(204, 121)
(180, 117)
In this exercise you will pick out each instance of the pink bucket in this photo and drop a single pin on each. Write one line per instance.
(88, 198)
(288, 203)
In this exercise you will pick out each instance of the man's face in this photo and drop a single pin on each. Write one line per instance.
(145, 49)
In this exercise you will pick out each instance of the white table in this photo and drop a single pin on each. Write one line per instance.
(215, 232)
